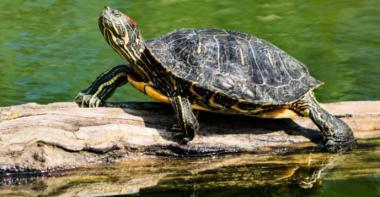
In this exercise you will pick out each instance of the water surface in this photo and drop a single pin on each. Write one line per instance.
(51, 49)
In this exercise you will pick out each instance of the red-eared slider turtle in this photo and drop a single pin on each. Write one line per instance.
(213, 70)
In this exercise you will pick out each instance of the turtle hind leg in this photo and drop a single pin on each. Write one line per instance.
(337, 135)
(103, 87)
(186, 119)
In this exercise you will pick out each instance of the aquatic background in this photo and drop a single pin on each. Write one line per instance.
(51, 49)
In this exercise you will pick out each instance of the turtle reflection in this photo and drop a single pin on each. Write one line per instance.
(227, 175)
(302, 173)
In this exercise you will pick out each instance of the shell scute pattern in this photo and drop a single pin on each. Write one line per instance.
(234, 64)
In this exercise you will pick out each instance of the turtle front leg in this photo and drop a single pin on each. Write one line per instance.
(338, 137)
(186, 119)
(103, 87)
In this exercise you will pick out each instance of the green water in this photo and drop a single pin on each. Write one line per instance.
(51, 49)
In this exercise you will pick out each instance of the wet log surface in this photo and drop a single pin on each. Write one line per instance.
(35, 139)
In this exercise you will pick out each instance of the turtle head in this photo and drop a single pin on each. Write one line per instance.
(121, 33)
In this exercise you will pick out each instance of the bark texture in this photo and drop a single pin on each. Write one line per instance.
(63, 136)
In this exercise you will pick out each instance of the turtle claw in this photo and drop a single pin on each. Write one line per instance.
(94, 102)
(87, 100)
(179, 136)
(337, 146)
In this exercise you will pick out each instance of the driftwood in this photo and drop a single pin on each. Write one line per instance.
(64, 136)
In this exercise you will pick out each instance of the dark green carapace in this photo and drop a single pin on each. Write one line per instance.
(213, 70)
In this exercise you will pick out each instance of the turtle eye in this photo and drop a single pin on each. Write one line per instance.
(116, 13)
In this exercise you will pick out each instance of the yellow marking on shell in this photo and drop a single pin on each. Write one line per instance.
(109, 82)
(278, 113)
(191, 89)
(198, 96)
(199, 107)
(270, 58)
(235, 107)
(281, 112)
(199, 49)
(241, 57)
(147, 89)
(213, 103)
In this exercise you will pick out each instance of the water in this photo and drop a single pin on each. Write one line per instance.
(51, 49)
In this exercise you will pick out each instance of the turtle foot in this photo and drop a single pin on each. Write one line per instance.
(340, 146)
(179, 136)
(182, 139)
(87, 100)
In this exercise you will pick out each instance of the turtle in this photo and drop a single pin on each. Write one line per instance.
(215, 70)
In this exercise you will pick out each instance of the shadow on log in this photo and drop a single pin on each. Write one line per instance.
(37, 138)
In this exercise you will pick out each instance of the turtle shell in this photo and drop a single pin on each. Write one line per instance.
(233, 63)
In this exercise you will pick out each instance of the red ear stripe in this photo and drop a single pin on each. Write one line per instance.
(131, 21)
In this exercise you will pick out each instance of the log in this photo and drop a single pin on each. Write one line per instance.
(39, 138)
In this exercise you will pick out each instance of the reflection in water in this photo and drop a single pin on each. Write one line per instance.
(319, 172)
(277, 175)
